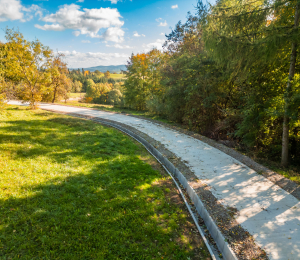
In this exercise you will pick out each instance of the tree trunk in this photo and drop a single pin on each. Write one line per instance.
(54, 95)
(288, 92)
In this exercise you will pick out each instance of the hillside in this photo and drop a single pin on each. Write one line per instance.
(112, 68)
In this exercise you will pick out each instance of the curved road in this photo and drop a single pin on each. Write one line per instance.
(268, 212)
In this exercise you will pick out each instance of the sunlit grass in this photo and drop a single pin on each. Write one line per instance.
(73, 189)
(117, 76)
(76, 95)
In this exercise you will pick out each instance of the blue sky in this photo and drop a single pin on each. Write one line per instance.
(91, 33)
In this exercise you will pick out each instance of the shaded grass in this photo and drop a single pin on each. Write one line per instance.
(73, 189)
(291, 172)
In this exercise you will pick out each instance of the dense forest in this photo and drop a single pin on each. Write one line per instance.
(229, 72)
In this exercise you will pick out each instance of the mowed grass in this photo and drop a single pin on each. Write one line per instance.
(117, 76)
(76, 95)
(74, 189)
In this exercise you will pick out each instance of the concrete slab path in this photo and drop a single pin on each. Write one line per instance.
(267, 212)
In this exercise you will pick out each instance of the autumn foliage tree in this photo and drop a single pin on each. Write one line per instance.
(107, 74)
(28, 64)
(61, 83)
(32, 72)
(136, 85)
(2, 81)
(230, 72)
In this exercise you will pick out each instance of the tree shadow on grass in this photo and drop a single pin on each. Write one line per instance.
(76, 138)
(100, 213)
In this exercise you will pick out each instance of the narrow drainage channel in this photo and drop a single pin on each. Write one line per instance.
(226, 252)
(213, 250)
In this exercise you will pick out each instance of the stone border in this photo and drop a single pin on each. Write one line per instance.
(214, 231)
(223, 246)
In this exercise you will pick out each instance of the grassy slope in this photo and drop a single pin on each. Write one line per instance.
(73, 189)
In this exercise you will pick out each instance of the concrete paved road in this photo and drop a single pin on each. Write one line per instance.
(268, 212)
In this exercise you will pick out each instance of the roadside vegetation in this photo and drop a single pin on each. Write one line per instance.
(74, 189)
(229, 72)
(230, 75)
(291, 172)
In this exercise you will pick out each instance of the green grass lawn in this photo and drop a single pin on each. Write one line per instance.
(117, 76)
(75, 95)
(74, 189)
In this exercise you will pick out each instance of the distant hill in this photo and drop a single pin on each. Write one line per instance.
(112, 68)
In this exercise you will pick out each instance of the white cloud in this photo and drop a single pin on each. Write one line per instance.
(162, 34)
(163, 23)
(80, 1)
(160, 21)
(115, 1)
(138, 35)
(154, 45)
(10, 10)
(14, 10)
(85, 41)
(76, 33)
(87, 22)
(118, 46)
(50, 27)
(89, 59)
(174, 6)
(113, 34)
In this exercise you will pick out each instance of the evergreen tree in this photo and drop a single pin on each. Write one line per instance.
(252, 34)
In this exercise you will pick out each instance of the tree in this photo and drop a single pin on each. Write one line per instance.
(88, 84)
(61, 84)
(107, 74)
(98, 73)
(288, 92)
(136, 88)
(99, 92)
(252, 35)
(77, 86)
(28, 63)
(2, 81)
